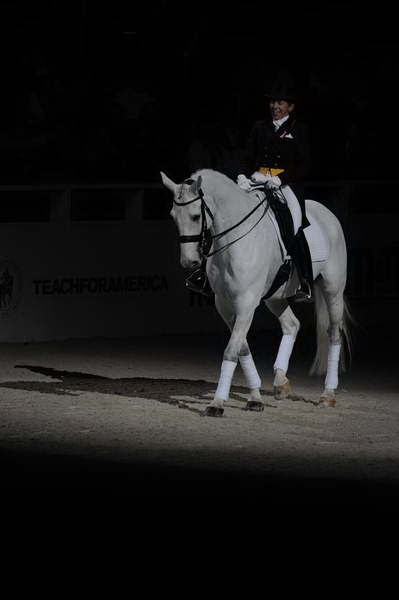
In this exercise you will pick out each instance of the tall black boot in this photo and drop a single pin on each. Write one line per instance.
(303, 262)
(283, 218)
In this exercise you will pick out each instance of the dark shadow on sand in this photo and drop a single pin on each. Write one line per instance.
(71, 383)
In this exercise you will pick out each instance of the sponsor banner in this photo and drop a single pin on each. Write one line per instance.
(103, 280)
(100, 285)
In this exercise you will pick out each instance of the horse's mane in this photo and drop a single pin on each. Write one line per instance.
(214, 180)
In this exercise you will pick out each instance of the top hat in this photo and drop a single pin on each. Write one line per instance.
(283, 89)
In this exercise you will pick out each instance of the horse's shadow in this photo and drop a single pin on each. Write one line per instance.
(189, 394)
(183, 393)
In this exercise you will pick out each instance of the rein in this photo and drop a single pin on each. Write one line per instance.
(205, 238)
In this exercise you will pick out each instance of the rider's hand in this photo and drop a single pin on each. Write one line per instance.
(273, 183)
(243, 182)
(259, 178)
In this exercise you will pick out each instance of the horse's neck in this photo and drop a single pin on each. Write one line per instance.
(229, 207)
(258, 251)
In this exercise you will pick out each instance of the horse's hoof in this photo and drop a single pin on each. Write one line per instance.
(327, 402)
(213, 411)
(281, 391)
(327, 399)
(255, 405)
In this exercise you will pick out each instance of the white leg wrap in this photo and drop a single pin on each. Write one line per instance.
(284, 352)
(331, 381)
(226, 376)
(251, 374)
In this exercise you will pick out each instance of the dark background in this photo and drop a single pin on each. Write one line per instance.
(118, 90)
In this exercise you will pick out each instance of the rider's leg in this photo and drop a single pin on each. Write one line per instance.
(299, 248)
(303, 262)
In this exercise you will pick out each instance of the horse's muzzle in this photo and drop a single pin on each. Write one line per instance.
(190, 263)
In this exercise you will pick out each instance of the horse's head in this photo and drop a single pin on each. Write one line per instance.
(188, 214)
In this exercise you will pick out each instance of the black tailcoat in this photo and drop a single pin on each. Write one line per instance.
(287, 148)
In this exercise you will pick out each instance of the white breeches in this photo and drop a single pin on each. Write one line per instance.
(286, 195)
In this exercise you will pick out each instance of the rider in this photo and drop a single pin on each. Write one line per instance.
(277, 154)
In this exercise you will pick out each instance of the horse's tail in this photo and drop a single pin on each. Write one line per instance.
(319, 365)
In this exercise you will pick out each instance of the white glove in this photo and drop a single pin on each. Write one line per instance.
(259, 178)
(243, 182)
(273, 183)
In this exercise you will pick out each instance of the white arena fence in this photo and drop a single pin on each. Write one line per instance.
(97, 260)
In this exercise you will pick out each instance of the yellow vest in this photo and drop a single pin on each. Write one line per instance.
(270, 171)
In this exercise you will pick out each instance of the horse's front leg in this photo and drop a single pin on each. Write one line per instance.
(246, 360)
(237, 341)
(252, 378)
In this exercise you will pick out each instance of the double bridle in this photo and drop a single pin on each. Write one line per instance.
(205, 238)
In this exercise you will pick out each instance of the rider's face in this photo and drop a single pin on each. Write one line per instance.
(280, 108)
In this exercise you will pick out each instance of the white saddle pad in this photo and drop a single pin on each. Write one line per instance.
(317, 241)
(318, 246)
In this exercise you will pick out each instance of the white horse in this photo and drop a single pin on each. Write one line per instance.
(245, 258)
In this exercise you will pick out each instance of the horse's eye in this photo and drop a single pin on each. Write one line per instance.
(196, 218)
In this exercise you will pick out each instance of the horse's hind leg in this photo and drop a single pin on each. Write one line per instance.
(335, 307)
(290, 327)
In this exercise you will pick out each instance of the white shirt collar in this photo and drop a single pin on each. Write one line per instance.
(277, 124)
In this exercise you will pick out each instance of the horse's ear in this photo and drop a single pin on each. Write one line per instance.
(168, 183)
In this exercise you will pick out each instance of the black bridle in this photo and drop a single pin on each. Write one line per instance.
(205, 238)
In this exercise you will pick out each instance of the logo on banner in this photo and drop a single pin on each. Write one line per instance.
(100, 285)
(10, 287)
